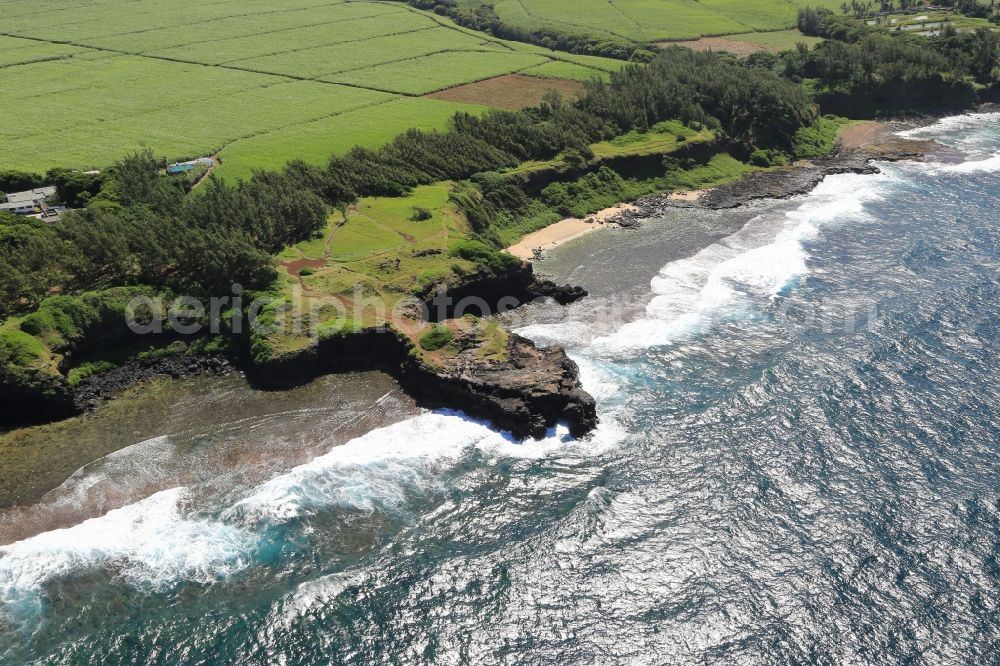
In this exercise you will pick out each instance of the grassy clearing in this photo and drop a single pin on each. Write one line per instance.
(721, 169)
(373, 257)
(664, 138)
(188, 78)
(819, 139)
(364, 264)
(744, 44)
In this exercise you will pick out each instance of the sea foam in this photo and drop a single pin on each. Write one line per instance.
(151, 544)
(382, 468)
(727, 280)
(988, 165)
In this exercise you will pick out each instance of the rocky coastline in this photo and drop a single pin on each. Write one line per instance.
(533, 388)
(526, 394)
(88, 394)
(784, 183)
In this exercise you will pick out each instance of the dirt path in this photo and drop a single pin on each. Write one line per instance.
(741, 49)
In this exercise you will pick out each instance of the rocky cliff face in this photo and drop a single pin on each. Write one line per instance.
(497, 292)
(526, 394)
(516, 386)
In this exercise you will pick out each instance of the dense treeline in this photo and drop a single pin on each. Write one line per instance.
(142, 229)
(756, 108)
(474, 144)
(862, 69)
(484, 19)
(17, 181)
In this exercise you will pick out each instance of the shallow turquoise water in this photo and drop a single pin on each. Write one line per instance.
(798, 462)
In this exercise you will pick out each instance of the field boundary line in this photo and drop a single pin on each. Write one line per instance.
(621, 11)
(323, 46)
(67, 56)
(399, 60)
(202, 21)
(202, 64)
(272, 130)
(551, 54)
(268, 32)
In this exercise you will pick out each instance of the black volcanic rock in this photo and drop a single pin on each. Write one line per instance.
(101, 386)
(561, 294)
(527, 393)
(530, 392)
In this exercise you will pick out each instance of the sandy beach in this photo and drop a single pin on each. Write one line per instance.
(864, 140)
(688, 195)
(564, 231)
(571, 228)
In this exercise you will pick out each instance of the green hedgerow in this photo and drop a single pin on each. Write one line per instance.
(436, 338)
(420, 214)
(484, 256)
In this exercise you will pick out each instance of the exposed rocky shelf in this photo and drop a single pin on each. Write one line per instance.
(528, 393)
(800, 178)
(521, 389)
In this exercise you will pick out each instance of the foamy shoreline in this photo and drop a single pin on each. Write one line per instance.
(858, 144)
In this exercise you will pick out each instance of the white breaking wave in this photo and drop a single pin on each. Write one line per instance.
(960, 123)
(312, 595)
(377, 468)
(600, 381)
(566, 333)
(150, 544)
(973, 133)
(156, 543)
(725, 280)
(989, 164)
(382, 468)
(138, 462)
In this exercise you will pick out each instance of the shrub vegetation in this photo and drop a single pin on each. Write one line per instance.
(436, 338)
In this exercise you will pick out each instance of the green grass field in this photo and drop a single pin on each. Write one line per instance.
(654, 20)
(376, 251)
(84, 84)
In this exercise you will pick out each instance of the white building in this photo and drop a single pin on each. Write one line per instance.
(25, 203)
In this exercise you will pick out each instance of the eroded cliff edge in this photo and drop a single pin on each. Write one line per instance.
(486, 372)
